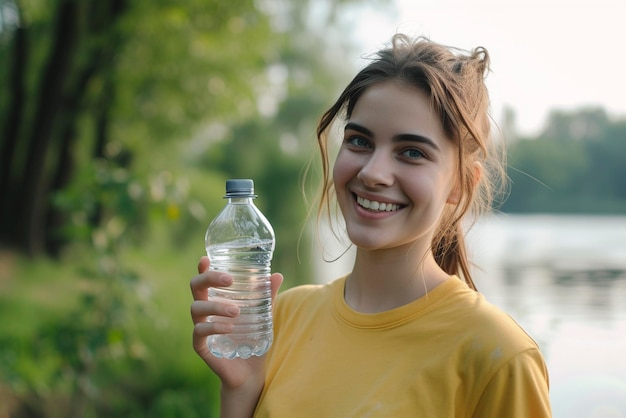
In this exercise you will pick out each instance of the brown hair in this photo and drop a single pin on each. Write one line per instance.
(454, 81)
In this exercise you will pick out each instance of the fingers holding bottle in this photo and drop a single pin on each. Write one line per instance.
(213, 316)
(276, 280)
(220, 312)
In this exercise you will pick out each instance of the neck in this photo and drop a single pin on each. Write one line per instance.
(386, 279)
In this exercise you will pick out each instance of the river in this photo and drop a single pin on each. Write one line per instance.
(563, 278)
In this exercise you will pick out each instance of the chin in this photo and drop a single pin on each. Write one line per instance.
(369, 242)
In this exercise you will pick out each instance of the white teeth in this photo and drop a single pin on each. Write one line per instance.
(378, 206)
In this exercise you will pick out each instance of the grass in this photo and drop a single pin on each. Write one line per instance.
(155, 374)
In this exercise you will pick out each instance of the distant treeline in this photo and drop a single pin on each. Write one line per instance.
(576, 165)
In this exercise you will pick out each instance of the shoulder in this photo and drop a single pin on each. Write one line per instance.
(495, 353)
(519, 388)
(503, 329)
(485, 324)
(484, 337)
(305, 298)
(301, 294)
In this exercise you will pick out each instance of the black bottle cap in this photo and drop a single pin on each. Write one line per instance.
(240, 188)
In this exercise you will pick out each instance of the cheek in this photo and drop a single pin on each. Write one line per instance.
(425, 189)
(419, 190)
(342, 170)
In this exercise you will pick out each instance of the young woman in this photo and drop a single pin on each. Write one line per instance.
(405, 333)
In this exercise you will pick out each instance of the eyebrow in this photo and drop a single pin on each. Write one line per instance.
(397, 138)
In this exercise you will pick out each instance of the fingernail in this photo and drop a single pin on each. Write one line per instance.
(225, 279)
(232, 311)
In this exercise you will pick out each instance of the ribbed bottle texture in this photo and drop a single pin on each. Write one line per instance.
(240, 241)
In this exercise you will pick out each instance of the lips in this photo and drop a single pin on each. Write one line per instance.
(375, 206)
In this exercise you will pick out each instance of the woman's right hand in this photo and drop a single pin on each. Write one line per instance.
(237, 374)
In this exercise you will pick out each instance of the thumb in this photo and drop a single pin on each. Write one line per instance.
(276, 280)
(203, 264)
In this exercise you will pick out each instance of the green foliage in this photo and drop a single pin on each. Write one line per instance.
(575, 166)
(184, 62)
(79, 349)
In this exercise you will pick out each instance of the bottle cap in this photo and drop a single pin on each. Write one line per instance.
(239, 188)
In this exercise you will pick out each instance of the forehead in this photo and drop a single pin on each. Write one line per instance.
(393, 107)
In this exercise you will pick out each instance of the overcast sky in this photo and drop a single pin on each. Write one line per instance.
(550, 54)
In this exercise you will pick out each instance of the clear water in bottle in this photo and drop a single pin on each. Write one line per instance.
(252, 334)
(240, 241)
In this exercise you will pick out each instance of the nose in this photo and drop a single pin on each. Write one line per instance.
(377, 170)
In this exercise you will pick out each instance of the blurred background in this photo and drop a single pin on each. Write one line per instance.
(120, 120)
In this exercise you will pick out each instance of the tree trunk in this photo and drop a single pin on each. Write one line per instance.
(34, 188)
(101, 24)
(11, 134)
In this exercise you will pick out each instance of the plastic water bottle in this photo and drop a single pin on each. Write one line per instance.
(240, 241)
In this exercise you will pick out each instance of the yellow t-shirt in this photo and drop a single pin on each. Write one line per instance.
(447, 354)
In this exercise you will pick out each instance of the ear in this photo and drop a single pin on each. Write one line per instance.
(455, 195)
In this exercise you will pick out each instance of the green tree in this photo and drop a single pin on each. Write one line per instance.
(112, 80)
(573, 166)
(545, 175)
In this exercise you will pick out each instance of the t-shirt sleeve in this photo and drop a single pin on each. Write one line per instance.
(519, 389)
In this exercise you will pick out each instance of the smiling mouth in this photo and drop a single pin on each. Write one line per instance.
(375, 206)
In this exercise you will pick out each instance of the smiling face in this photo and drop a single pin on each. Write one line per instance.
(395, 171)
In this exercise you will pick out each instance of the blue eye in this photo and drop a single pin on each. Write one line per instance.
(413, 153)
(359, 142)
